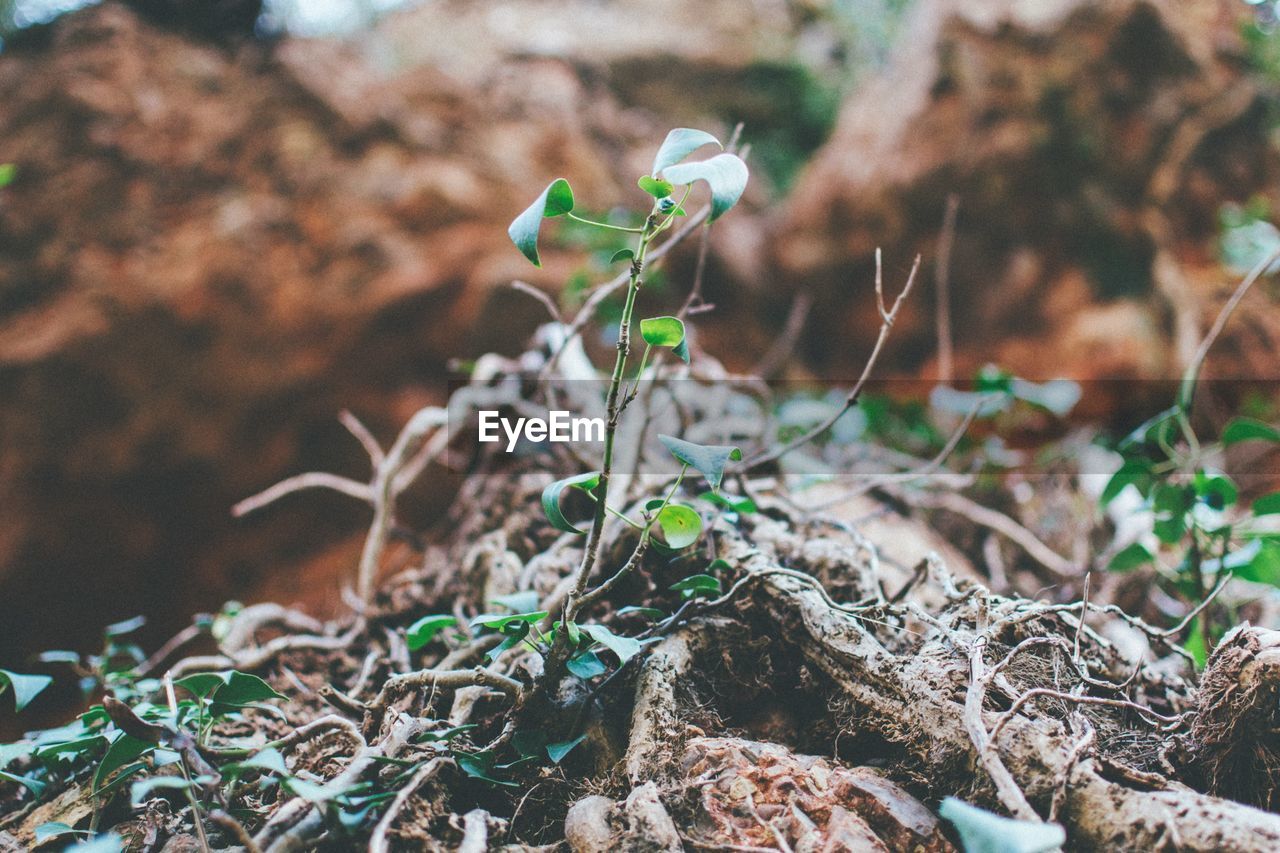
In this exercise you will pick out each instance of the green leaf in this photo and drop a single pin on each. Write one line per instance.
(229, 690)
(500, 622)
(1130, 557)
(127, 626)
(480, 766)
(1134, 472)
(35, 785)
(517, 602)
(745, 506)
(1258, 562)
(679, 144)
(680, 525)
(654, 186)
(265, 761)
(622, 255)
(446, 734)
(1058, 396)
(530, 744)
(710, 459)
(1195, 644)
(556, 200)
(646, 612)
(145, 789)
(1266, 505)
(682, 349)
(982, 831)
(725, 174)
(8, 172)
(202, 684)
(557, 751)
(53, 829)
(25, 687)
(624, 647)
(1248, 429)
(551, 498)
(109, 843)
(696, 585)
(662, 331)
(244, 689)
(1215, 489)
(312, 792)
(587, 665)
(422, 632)
(123, 750)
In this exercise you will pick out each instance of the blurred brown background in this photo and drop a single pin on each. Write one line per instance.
(223, 229)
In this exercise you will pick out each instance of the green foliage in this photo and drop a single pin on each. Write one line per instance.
(664, 523)
(697, 585)
(680, 525)
(551, 498)
(8, 172)
(423, 631)
(679, 144)
(709, 460)
(662, 331)
(556, 200)
(725, 174)
(984, 832)
(24, 687)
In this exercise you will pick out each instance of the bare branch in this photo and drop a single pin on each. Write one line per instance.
(310, 480)
(887, 316)
(362, 435)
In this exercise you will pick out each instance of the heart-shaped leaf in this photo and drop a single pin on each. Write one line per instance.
(1266, 505)
(725, 174)
(423, 631)
(744, 506)
(984, 832)
(122, 751)
(551, 498)
(587, 665)
(557, 751)
(624, 647)
(24, 687)
(655, 187)
(517, 602)
(229, 689)
(710, 459)
(498, 623)
(622, 255)
(265, 761)
(680, 525)
(1247, 429)
(679, 144)
(556, 200)
(34, 785)
(1130, 557)
(662, 331)
(695, 585)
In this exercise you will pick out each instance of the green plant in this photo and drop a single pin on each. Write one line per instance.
(1200, 535)
(569, 645)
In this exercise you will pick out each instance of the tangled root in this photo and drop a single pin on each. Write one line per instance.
(1236, 733)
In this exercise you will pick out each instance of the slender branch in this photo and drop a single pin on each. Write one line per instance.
(311, 480)
(942, 289)
(529, 290)
(887, 318)
(362, 435)
(1186, 393)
